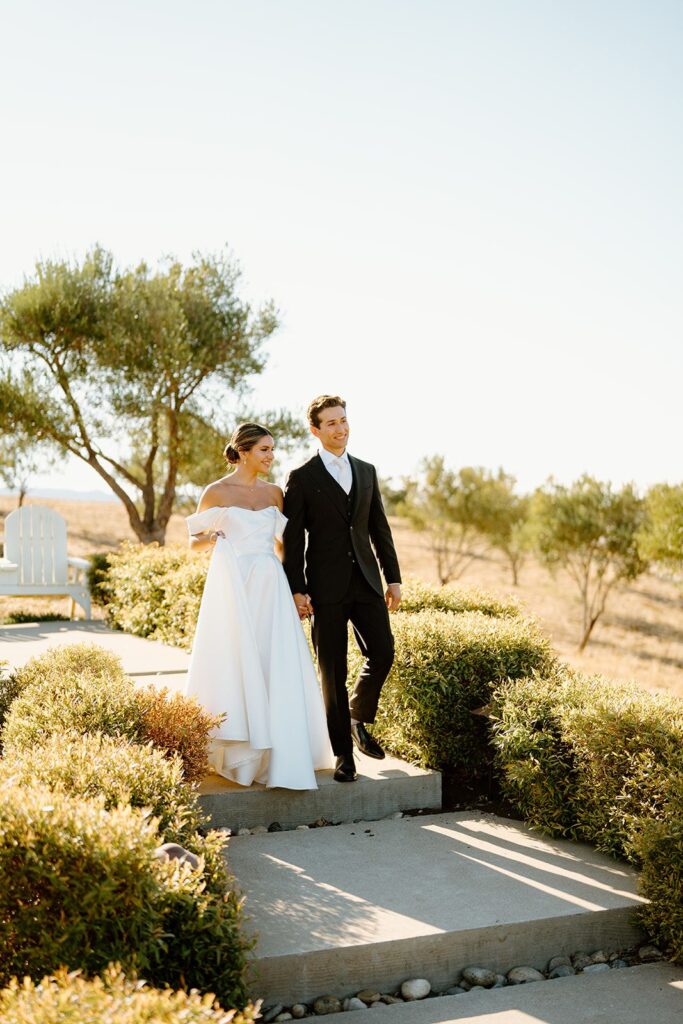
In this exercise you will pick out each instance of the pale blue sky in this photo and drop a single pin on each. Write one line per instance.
(469, 213)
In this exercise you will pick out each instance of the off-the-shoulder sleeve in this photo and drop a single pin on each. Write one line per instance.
(280, 523)
(201, 522)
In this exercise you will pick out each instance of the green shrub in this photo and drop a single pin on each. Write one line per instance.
(585, 757)
(16, 618)
(445, 667)
(418, 596)
(537, 764)
(116, 769)
(78, 688)
(659, 846)
(203, 946)
(98, 577)
(112, 998)
(82, 688)
(156, 592)
(602, 762)
(80, 886)
(9, 691)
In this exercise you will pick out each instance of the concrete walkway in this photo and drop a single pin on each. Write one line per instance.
(651, 994)
(368, 905)
(144, 660)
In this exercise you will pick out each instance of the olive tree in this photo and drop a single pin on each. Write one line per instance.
(112, 365)
(661, 538)
(504, 519)
(449, 507)
(591, 531)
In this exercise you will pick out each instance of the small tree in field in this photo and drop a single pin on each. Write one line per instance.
(661, 539)
(111, 366)
(505, 520)
(19, 462)
(592, 532)
(450, 508)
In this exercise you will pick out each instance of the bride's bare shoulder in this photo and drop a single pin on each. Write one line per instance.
(277, 494)
(214, 494)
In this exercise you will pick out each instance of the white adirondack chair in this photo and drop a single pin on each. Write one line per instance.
(35, 559)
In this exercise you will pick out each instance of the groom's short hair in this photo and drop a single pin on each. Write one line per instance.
(323, 402)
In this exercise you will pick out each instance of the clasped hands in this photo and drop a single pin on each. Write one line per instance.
(304, 605)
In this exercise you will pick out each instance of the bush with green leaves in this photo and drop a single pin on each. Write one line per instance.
(81, 886)
(82, 688)
(113, 998)
(98, 577)
(156, 592)
(418, 596)
(120, 771)
(603, 762)
(77, 688)
(445, 668)
(659, 847)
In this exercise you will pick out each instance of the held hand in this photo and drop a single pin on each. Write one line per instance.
(393, 596)
(303, 605)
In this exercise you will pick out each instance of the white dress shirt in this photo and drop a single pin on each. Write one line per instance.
(339, 468)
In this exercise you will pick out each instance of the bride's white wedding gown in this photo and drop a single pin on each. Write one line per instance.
(250, 659)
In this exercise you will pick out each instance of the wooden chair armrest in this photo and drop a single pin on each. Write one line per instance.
(79, 563)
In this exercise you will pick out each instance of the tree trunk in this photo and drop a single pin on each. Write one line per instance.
(152, 533)
(588, 629)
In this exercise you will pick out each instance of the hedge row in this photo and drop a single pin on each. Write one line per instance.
(71, 999)
(445, 667)
(82, 688)
(156, 592)
(86, 799)
(583, 757)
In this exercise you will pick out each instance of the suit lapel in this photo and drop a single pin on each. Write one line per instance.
(328, 485)
(359, 480)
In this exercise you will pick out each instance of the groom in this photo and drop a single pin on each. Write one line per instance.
(335, 518)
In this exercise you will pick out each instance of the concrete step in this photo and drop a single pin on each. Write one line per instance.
(382, 788)
(648, 994)
(368, 905)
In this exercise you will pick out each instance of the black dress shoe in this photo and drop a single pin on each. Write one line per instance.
(365, 742)
(345, 769)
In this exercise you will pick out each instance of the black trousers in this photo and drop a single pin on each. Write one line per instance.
(367, 612)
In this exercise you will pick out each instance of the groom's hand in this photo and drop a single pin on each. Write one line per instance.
(303, 605)
(393, 596)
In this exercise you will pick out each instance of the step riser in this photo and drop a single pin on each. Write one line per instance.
(365, 799)
(384, 966)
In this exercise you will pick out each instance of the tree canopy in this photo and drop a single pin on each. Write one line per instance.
(115, 366)
(591, 531)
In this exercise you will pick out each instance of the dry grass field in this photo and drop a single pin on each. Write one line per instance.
(640, 637)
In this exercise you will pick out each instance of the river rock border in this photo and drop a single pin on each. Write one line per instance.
(470, 979)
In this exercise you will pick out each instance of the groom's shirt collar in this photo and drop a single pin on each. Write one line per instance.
(328, 457)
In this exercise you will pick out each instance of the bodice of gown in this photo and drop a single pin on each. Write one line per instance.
(249, 531)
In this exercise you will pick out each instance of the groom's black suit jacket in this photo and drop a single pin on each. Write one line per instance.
(328, 530)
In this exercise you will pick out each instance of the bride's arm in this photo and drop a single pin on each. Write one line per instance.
(202, 541)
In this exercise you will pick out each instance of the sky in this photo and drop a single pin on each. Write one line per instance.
(469, 213)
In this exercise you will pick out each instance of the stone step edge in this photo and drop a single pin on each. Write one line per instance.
(365, 800)
(494, 1002)
(383, 966)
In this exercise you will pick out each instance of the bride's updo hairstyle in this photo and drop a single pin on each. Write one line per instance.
(243, 439)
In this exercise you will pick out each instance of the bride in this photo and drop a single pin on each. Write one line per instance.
(250, 658)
